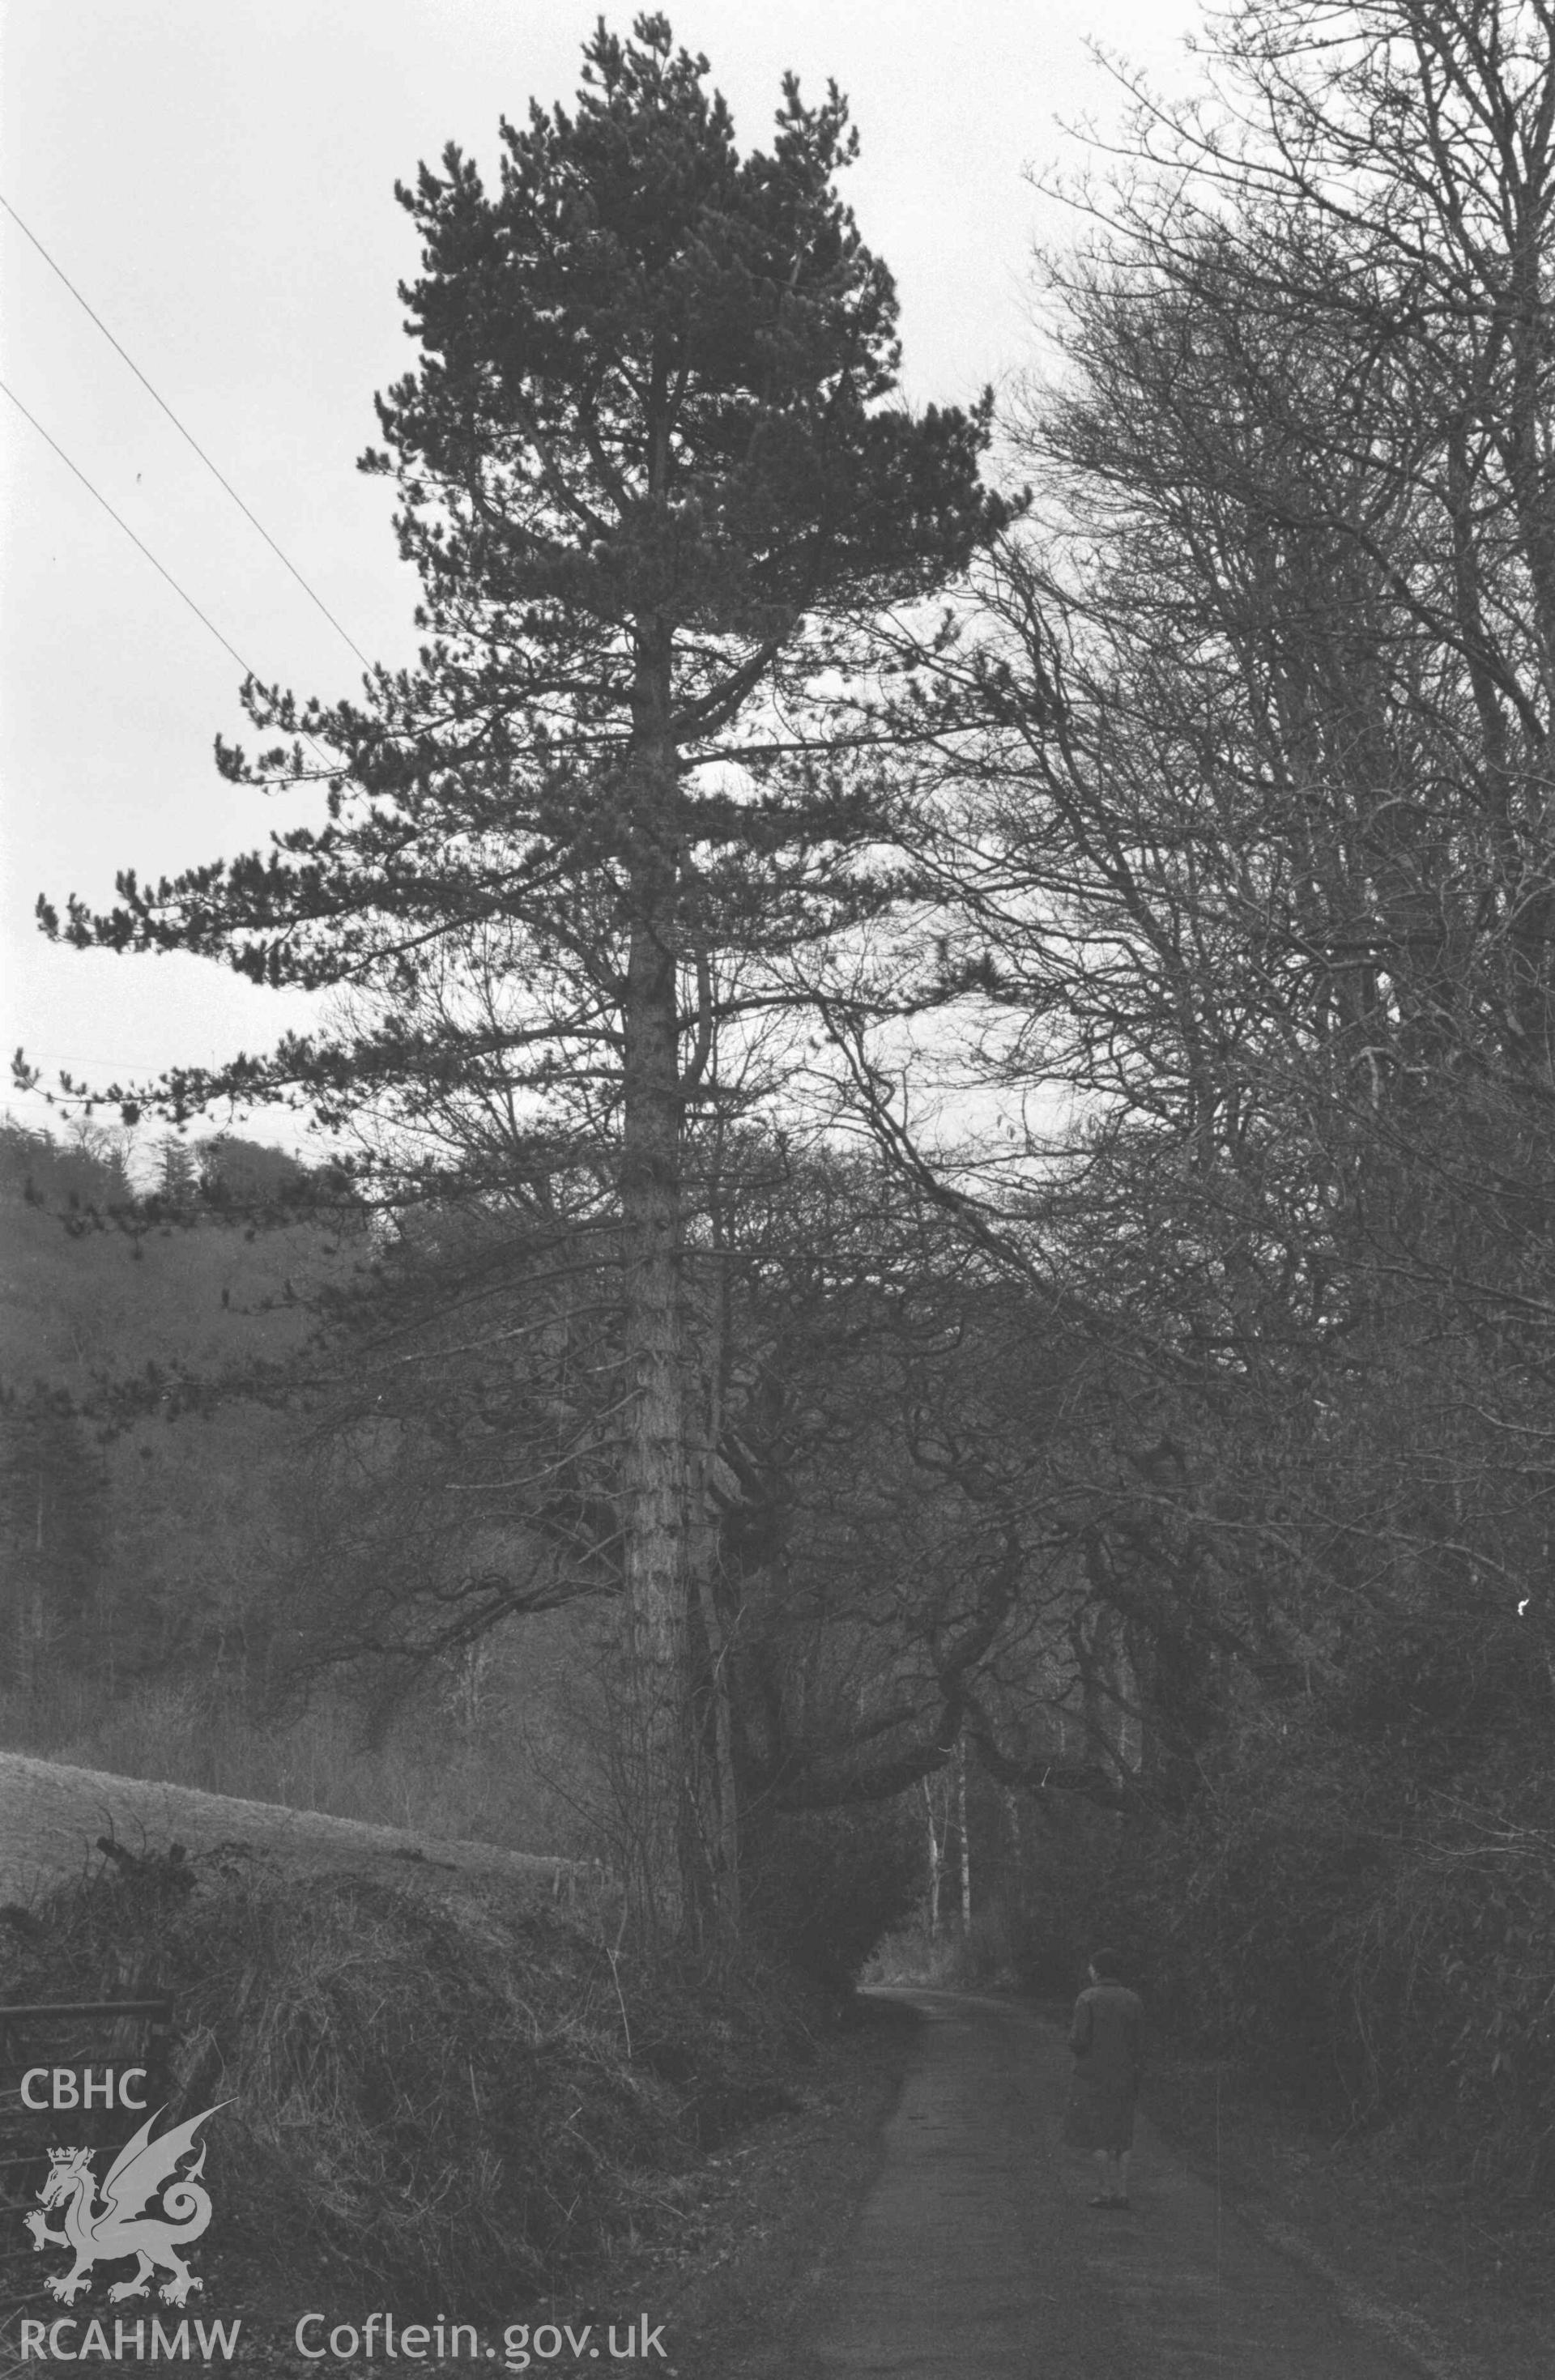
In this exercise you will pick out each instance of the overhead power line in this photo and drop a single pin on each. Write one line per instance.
(185, 434)
(246, 667)
(205, 621)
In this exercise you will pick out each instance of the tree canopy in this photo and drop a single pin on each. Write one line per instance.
(658, 491)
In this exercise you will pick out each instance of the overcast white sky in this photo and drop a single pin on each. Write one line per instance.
(216, 178)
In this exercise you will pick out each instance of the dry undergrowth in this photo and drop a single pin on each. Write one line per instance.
(432, 2091)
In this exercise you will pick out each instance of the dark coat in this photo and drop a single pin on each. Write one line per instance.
(1108, 2040)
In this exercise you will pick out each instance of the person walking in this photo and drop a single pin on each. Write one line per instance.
(1107, 2037)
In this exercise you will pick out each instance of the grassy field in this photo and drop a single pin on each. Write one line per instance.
(51, 1817)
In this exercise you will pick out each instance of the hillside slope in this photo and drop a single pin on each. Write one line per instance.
(128, 1547)
(51, 1816)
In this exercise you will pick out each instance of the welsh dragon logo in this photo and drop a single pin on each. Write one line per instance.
(129, 2221)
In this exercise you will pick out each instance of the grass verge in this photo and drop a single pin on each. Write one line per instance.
(736, 2277)
(1478, 2274)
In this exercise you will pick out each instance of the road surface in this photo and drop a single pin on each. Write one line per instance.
(976, 2256)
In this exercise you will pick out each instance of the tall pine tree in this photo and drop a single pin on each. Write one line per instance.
(660, 494)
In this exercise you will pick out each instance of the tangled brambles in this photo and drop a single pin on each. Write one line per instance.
(432, 2088)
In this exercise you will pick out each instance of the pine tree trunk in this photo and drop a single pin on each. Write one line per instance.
(653, 1470)
(713, 1783)
(713, 1775)
(669, 1867)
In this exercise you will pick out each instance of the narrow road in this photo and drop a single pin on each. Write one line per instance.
(976, 2256)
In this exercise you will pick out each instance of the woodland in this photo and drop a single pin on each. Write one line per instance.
(939, 1251)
